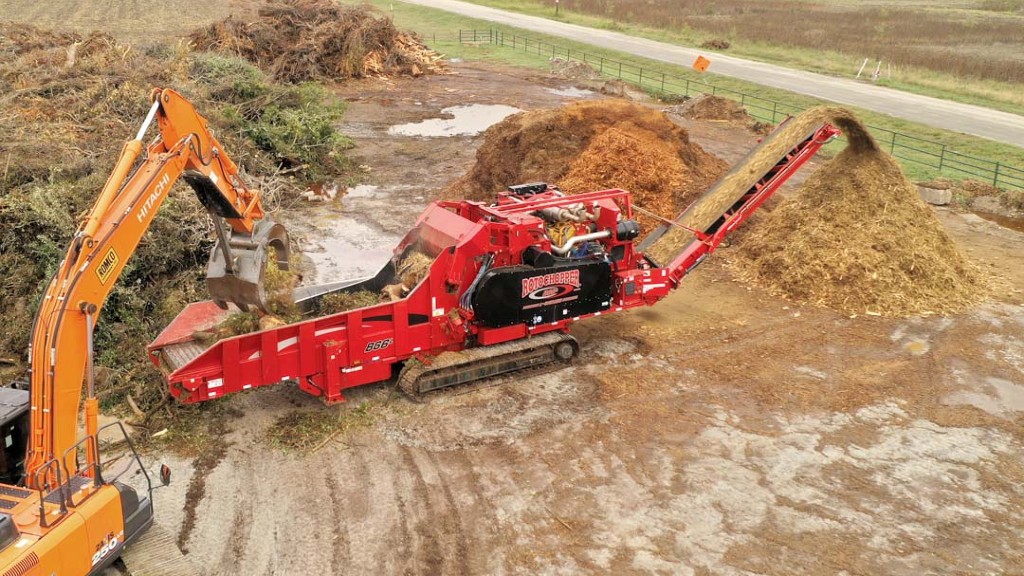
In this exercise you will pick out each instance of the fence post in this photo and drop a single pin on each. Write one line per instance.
(460, 35)
(640, 81)
(995, 178)
(662, 83)
(892, 144)
(687, 93)
(620, 70)
(513, 41)
(942, 157)
(601, 71)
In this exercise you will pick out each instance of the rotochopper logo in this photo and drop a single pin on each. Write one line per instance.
(548, 286)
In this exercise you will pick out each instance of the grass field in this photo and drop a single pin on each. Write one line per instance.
(439, 27)
(963, 50)
(140, 22)
(132, 20)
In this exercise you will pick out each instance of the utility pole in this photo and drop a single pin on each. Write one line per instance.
(556, 7)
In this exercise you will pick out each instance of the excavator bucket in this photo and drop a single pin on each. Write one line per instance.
(237, 270)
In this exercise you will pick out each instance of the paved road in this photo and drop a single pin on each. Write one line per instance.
(983, 122)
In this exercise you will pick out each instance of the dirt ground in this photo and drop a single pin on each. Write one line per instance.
(722, 432)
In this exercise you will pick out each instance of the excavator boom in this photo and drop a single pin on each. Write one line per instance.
(56, 481)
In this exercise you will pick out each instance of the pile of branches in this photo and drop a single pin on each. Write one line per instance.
(302, 40)
(68, 102)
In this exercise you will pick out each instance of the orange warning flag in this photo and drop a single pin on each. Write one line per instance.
(701, 64)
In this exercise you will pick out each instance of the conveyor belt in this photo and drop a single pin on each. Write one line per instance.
(174, 356)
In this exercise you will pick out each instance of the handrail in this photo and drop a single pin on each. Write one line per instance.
(61, 489)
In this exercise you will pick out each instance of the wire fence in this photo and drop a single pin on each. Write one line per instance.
(920, 151)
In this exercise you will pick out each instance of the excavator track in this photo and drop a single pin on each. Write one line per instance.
(452, 368)
(155, 553)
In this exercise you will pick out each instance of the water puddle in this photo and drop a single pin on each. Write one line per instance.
(1011, 222)
(346, 250)
(571, 92)
(465, 120)
(1005, 397)
(362, 191)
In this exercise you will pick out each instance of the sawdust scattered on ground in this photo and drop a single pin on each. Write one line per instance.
(594, 145)
(301, 40)
(857, 238)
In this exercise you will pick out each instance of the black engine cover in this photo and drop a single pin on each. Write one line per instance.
(523, 294)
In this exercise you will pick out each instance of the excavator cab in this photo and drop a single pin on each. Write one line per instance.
(14, 426)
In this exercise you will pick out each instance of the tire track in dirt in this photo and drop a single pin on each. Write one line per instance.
(453, 519)
(340, 544)
(239, 533)
(427, 557)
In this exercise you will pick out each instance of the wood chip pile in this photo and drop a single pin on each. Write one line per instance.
(594, 145)
(857, 238)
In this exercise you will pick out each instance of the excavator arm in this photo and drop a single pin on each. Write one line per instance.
(61, 345)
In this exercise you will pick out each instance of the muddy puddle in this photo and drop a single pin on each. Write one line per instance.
(343, 248)
(997, 397)
(362, 191)
(465, 120)
(571, 92)
(1011, 222)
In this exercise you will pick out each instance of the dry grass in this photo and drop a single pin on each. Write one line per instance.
(309, 431)
(137, 21)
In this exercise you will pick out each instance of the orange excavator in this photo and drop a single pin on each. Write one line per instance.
(64, 508)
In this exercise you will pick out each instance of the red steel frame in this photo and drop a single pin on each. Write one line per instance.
(329, 354)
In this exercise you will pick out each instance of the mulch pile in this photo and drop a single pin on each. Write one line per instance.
(301, 40)
(718, 109)
(573, 69)
(69, 102)
(857, 238)
(594, 145)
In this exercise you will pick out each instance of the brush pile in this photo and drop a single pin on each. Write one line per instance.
(857, 238)
(302, 40)
(708, 107)
(594, 145)
(69, 103)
